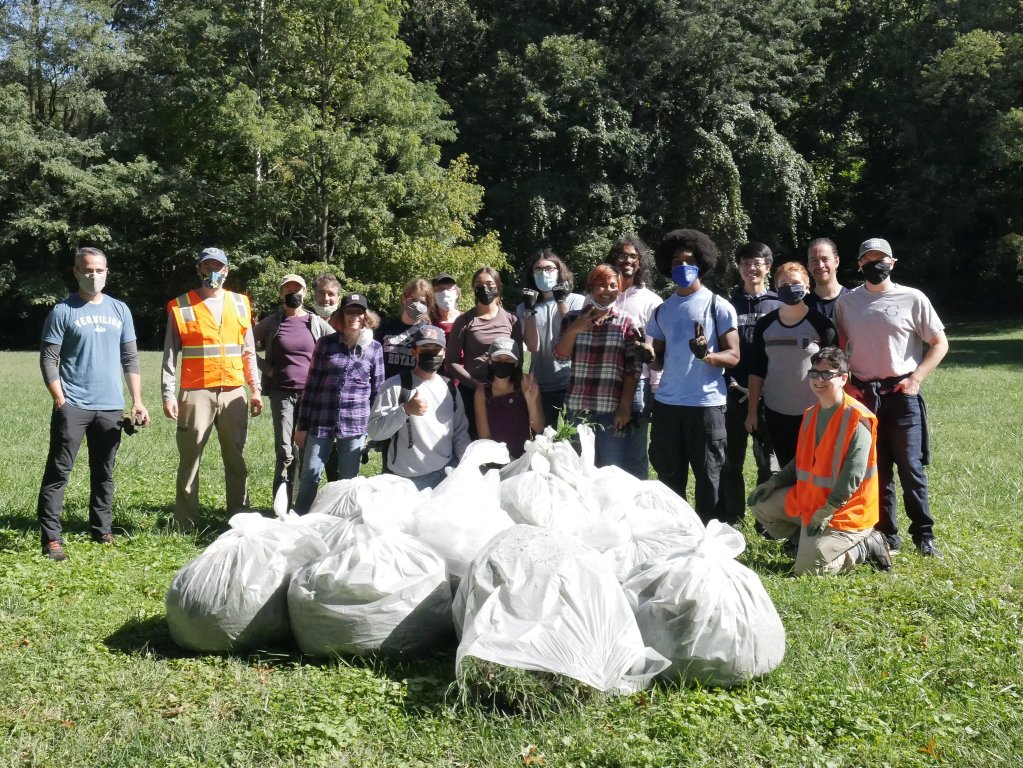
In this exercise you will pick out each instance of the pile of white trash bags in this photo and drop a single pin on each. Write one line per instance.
(549, 564)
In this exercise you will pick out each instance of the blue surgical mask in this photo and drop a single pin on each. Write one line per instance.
(545, 281)
(685, 275)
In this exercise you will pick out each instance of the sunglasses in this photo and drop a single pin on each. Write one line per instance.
(825, 375)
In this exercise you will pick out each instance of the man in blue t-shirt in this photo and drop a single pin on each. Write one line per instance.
(88, 339)
(695, 338)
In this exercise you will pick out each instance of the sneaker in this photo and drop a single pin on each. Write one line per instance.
(893, 541)
(877, 551)
(104, 538)
(927, 548)
(54, 550)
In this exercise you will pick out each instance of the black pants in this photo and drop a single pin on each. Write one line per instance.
(68, 425)
(784, 431)
(684, 436)
(732, 502)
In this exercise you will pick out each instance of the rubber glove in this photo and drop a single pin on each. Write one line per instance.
(698, 344)
(820, 521)
(760, 493)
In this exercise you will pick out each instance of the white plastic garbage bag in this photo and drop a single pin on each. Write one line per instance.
(707, 613)
(539, 600)
(545, 454)
(234, 595)
(464, 512)
(344, 498)
(378, 591)
(544, 500)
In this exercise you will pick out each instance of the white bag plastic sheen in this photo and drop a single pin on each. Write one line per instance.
(234, 595)
(539, 600)
(378, 591)
(707, 613)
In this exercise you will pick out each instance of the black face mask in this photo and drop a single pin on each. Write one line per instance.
(502, 370)
(792, 293)
(293, 300)
(431, 363)
(876, 272)
(484, 294)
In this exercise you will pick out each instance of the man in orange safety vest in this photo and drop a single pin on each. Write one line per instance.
(211, 328)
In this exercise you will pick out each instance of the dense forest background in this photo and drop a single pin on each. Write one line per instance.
(385, 140)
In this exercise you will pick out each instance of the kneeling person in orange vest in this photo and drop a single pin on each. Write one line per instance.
(826, 499)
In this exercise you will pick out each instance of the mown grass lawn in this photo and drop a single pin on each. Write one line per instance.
(919, 667)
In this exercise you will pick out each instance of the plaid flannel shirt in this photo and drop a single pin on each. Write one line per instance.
(601, 359)
(340, 388)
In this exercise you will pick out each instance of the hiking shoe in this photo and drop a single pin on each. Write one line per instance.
(927, 548)
(54, 550)
(877, 552)
(104, 538)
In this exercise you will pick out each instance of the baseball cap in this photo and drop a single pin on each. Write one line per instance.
(292, 279)
(503, 346)
(354, 300)
(212, 253)
(431, 334)
(443, 277)
(875, 244)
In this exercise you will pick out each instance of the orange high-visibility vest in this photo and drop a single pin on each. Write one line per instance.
(818, 466)
(211, 354)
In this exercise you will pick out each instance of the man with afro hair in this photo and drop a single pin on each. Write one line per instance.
(695, 338)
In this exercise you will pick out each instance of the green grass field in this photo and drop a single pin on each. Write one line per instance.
(919, 667)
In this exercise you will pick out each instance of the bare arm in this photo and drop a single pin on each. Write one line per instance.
(937, 348)
(482, 422)
(728, 354)
(756, 386)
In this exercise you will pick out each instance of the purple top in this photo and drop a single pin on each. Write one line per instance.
(508, 419)
(341, 386)
(293, 349)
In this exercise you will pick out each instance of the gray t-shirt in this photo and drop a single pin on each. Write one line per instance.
(885, 331)
(550, 375)
(780, 355)
(90, 338)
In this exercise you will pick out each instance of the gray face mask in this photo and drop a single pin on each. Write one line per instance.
(92, 284)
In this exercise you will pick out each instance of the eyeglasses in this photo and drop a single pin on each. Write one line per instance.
(825, 375)
(549, 270)
(755, 263)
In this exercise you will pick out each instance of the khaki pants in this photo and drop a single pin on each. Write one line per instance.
(199, 411)
(831, 552)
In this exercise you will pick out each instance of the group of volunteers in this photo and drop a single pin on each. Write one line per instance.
(822, 380)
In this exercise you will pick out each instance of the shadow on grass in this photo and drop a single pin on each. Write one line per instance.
(979, 353)
(145, 637)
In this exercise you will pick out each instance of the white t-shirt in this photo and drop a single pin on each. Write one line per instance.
(885, 331)
(640, 302)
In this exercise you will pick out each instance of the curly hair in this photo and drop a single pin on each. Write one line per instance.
(705, 253)
(642, 278)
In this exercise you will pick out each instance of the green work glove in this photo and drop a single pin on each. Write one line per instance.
(820, 521)
(760, 493)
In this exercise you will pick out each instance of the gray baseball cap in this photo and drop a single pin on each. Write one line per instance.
(876, 244)
(503, 346)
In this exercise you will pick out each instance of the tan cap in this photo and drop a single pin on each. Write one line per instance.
(292, 279)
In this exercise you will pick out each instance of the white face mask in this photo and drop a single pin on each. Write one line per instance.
(416, 311)
(92, 284)
(324, 311)
(365, 337)
(448, 300)
(598, 305)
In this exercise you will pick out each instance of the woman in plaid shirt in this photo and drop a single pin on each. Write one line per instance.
(346, 372)
(600, 340)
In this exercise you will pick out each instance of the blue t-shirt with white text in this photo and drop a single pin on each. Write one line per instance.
(90, 338)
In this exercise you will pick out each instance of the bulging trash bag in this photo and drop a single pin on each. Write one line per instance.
(383, 493)
(539, 600)
(545, 454)
(377, 591)
(707, 613)
(464, 511)
(544, 500)
(234, 595)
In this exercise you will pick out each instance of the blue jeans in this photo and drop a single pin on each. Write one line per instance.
(900, 446)
(315, 455)
(626, 449)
